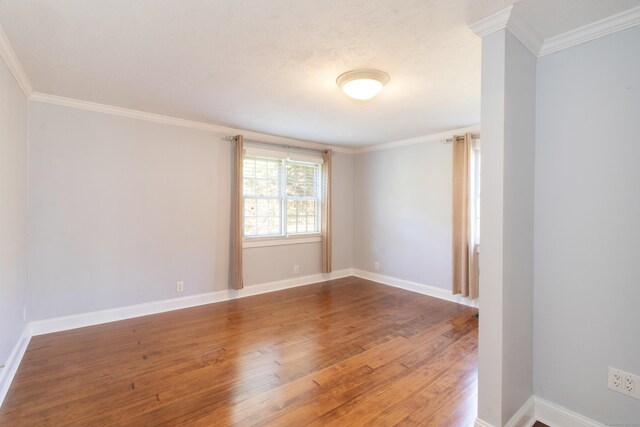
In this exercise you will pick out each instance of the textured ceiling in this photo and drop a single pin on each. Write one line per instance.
(270, 65)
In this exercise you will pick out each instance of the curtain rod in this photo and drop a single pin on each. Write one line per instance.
(450, 140)
(275, 144)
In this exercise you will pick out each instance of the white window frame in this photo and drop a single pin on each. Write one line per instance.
(284, 238)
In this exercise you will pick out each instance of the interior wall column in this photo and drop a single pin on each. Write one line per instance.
(505, 380)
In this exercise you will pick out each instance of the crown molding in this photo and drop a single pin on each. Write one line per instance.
(174, 121)
(9, 56)
(224, 130)
(521, 29)
(492, 23)
(618, 22)
(440, 136)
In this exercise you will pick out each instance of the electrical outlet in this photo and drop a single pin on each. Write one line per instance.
(24, 314)
(296, 269)
(629, 384)
(623, 382)
(180, 286)
(376, 266)
(615, 379)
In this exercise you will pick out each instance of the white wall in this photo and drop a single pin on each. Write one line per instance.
(403, 212)
(507, 222)
(121, 209)
(518, 217)
(13, 212)
(491, 219)
(587, 217)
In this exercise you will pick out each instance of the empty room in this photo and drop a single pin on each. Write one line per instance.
(338, 212)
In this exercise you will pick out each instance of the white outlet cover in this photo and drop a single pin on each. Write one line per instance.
(615, 379)
(629, 384)
(180, 286)
(623, 382)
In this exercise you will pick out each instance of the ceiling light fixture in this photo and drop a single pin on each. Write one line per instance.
(362, 84)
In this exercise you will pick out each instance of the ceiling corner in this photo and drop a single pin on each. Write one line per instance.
(492, 23)
(524, 32)
(10, 58)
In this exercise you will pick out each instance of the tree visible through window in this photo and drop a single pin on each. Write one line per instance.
(281, 196)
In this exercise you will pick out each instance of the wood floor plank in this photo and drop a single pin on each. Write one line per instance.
(372, 406)
(461, 409)
(342, 352)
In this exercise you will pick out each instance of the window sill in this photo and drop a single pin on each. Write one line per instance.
(259, 242)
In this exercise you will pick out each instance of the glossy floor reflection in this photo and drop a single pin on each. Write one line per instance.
(342, 352)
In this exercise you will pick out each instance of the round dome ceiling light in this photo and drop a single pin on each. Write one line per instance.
(362, 84)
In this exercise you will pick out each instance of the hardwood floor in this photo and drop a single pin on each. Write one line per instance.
(342, 352)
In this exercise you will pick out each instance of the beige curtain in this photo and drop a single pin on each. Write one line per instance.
(465, 257)
(326, 211)
(236, 233)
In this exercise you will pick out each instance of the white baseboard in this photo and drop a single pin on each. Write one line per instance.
(64, 323)
(537, 409)
(11, 366)
(420, 288)
(555, 415)
(525, 416)
(480, 423)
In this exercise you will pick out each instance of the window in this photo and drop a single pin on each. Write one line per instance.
(282, 194)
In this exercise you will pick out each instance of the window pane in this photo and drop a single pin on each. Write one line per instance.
(274, 171)
(303, 207)
(291, 225)
(302, 179)
(302, 216)
(262, 177)
(311, 224)
(249, 166)
(249, 207)
(263, 226)
(261, 187)
(274, 208)
(262, 205)
(273, 187)
(292, 209)
(274, 225)
(249, 187)
(302, 224)
(250, 226)
(265, 214)
(261, 169)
